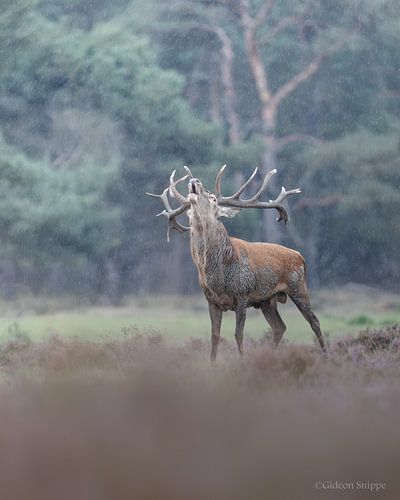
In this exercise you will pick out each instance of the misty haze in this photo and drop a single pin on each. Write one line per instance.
(109, 314)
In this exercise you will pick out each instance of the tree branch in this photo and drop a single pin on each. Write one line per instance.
(211, 3)
(281, 142)
(320, 202)
(227, 55)
(299, 78)
(253, 54)
(245, 17)
(228, 83)
(263, 13)
(277, 28)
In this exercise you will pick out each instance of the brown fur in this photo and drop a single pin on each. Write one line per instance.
(236, 274)
(281, 260)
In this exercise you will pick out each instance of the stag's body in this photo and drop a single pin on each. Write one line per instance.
(232, 271)
(236, 274)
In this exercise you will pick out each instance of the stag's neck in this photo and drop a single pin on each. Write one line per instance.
(212, 251)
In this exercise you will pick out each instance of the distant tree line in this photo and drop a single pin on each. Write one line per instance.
(100, 101)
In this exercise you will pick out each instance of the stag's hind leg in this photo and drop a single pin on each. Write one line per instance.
(271, 314)
(302, 301)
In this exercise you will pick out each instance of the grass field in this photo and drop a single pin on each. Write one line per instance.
(179, 319)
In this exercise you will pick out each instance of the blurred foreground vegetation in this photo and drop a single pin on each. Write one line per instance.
(100, 101)
(139, 417)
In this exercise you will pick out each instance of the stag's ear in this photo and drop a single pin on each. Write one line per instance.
(227, 212)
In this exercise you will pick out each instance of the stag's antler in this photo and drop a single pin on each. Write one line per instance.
(169, 212)
(235, 201)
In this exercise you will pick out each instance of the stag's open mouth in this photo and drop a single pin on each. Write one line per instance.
(193, 188)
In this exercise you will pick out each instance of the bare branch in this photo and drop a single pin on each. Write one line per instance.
(245, 17)
(281, 142)
(227, 55)
(212, 3)
(281, 25)
(299, 78)
(255, 60)
(321, 202)
(229, 87)
(263, 13)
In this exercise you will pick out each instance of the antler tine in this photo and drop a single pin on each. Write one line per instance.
(277, 203)
(283, 194)
(169, 212)
(172, 188)
(188, 171)
(242, 188)
(173, 224)
(218, 182)
(263, 185)
(236, 202)
(164, 197)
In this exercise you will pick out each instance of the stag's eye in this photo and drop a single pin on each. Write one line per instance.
(212, 198)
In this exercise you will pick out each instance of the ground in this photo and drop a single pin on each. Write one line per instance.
(340, 311)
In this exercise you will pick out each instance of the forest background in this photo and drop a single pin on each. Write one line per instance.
(100, 101)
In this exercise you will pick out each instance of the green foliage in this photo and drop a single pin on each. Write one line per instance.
(81, 88)
(112, 70)
(46, 212)
(359, 174)
(99, 102)
(360, 320)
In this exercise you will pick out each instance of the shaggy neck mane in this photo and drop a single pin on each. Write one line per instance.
(210, 245)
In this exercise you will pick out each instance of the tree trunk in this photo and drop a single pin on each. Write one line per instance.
(225, 70)
(269, 102)
(311, 251)
(112, 282)
(215, 108)
(232, 117)
(270, 229)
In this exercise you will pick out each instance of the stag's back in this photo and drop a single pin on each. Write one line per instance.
(274, 268)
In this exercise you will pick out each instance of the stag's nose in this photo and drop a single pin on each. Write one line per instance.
(194, 186)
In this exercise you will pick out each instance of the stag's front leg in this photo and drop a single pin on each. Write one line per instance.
(240, 320)
(216, 319)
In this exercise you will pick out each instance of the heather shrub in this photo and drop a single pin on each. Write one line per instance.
(141, 417)
(369, 341)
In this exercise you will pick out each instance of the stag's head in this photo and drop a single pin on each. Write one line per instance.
(202, 206)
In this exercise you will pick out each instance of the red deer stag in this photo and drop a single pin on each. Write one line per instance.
(236, 274)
